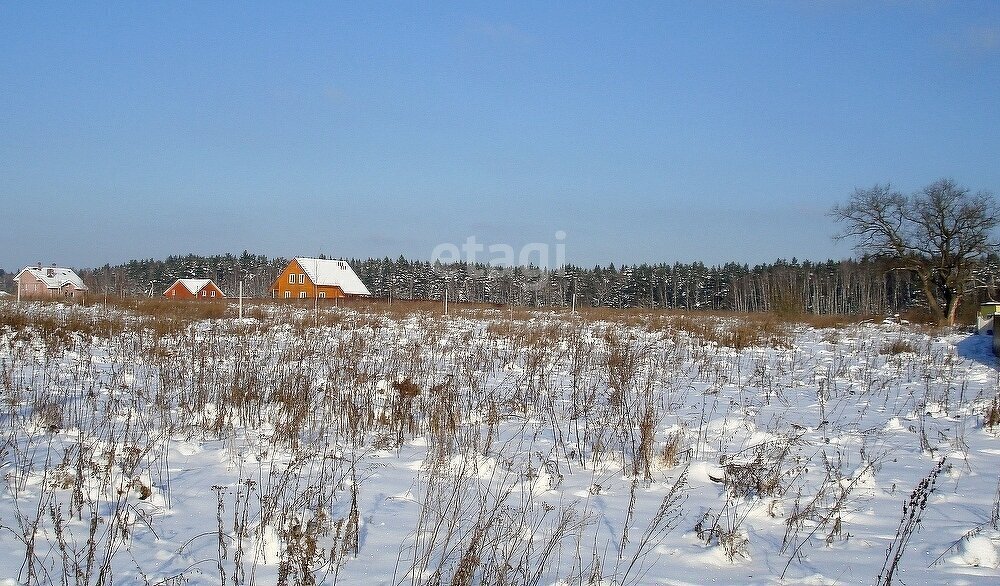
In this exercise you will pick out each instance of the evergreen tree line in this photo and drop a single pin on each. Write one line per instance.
(858, 286)
(832, 287)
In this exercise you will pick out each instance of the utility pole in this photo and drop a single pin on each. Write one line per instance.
(241, 300)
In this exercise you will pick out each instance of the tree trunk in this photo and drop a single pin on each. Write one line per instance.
(953, 302)
(932, 303)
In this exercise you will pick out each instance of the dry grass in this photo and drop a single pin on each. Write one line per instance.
(674, 448)
(991, 418)
(725, 328)
(161, 307)
(334, 381)
(58, 321)
(734, 330)
(59, 328)
(898, 346)
(641, 316)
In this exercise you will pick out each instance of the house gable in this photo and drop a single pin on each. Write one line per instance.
(309, 278)
(202, 289)
(40, 282)
(333, 273)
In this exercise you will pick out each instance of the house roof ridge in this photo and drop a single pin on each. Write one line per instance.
(326, 272)
(54, 277)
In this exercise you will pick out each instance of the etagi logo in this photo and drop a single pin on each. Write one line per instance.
(531, 258)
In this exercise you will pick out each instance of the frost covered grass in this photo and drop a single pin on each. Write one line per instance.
(395, 445)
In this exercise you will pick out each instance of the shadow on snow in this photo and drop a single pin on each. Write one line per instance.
(978, 348)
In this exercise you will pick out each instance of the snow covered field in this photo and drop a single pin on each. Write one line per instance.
(361, 446)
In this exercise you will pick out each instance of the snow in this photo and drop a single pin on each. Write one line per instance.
(194, 285)
(980, 551)
(54, 277)
(336, 273)
(227, 454)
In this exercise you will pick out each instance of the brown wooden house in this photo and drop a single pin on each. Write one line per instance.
(201, 289)
(310, 278)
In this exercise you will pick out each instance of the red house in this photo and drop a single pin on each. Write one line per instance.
(202, 289)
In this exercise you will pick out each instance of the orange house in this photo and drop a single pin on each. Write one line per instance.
(202, 289)
(309, 278)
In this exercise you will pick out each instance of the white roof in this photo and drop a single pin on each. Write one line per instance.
(54, 277)
(193, 285)
(336, 273)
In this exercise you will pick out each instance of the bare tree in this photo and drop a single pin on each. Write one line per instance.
(939, 233)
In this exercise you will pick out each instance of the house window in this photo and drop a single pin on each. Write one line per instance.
(291, 278)
(302, 294)
(213, 293)
(322, 294)
(302, 279)
(173, 293)
(288, 294)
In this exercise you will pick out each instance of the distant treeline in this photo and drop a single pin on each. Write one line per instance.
(863, 286)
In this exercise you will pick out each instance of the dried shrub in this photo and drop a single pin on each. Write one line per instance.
(407, 388)
(738, 331)
(897, 347)
(763, 331)
(758, 473)
(673, 449)
(992, 416)
(913, 510)
(49, 416)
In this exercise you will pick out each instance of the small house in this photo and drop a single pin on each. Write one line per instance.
(318, 278)
(52, 282)
(201, 289)
(984, 320)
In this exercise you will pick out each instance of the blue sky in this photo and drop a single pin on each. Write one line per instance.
(646, 132)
